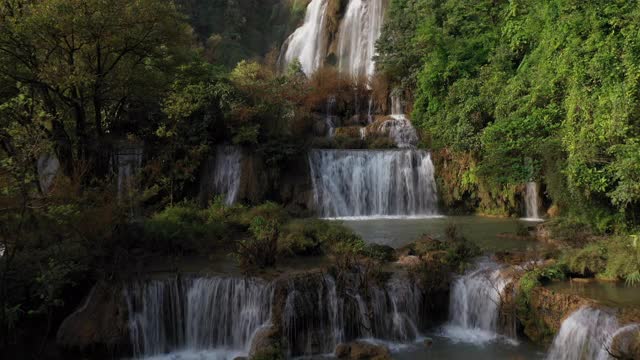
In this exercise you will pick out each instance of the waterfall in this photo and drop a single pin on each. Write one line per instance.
(391, 183)
(475, 302)
(359, 31)
(586, 334)
(319, 315)
(48, 166)
(531, 201)
(397, 109)
(128, 160)
(222, 174)
(308, 42)
(330, 124)
(196, 314)
(400, 130)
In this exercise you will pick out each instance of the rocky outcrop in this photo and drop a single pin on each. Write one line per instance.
(266, 344)
(547, 311)
(290, 185)
(99, 325)
(626, 343)
(361, 350)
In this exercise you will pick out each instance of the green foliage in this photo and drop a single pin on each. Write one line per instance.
(182, 228)
(304, 237)
(234, 30)
(261, 249)
(616, 257)
(534, 90)
(380, 253)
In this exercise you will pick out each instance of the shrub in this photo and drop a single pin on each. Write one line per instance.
(259, 250)
(269, 211)
(382, 253)
(588, 261)
(181, 227)
(303, 237)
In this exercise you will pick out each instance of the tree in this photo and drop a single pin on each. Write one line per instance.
(90, 62)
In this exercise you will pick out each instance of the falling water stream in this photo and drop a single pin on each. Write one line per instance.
(385, 183)
(586, 334)
(308, 43)
(221, 175)
(474, 309)
(532, 207)
(216, 315)
(359, 31)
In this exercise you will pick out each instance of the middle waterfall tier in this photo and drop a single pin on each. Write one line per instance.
(373, 183)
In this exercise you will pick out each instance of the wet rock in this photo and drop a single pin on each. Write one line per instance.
(383, 253)
(99, 325)
(349, 131)
(266, 344)
(626, 343)
(409, 260)
(428, 342)
(361, 350)
(547, 311)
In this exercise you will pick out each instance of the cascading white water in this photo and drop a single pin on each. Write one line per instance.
(330, 124)
(319, 316)
(222, 174)
(359, 31)
(308, 42)
(475, 302)
(190, 315)
(586, 334)
(531, 201)
(128, 160)
(48, 166)
(397, 108)
(354, 183)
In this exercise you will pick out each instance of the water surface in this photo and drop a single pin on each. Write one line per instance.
(492, 234)
(450, 349)
(615, 294)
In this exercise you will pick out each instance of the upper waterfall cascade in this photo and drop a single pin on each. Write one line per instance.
(222, 174)
(359, 31)
(308, 42)
(354, 183)
(128, 160)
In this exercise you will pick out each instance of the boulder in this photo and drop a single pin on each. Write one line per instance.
(361, 350)
(409, 260)
(626, 343)
(99, 325)
(266, 344)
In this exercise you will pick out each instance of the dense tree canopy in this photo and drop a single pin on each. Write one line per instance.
(535, 90)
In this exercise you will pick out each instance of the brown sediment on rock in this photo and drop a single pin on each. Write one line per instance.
(361, 350)
(100, 325)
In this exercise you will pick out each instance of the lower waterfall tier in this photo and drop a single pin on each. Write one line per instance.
(309, 313)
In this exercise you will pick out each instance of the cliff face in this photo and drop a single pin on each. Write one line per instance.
(99, 326)
(232, 30)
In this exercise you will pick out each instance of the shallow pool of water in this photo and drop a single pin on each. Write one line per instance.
(492, 234)
(444, 348)
(451, 349)
(614, 294)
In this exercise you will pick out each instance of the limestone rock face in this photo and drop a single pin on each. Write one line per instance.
(266, 343)
(626, 344)
(100, 324)
(361, 350)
